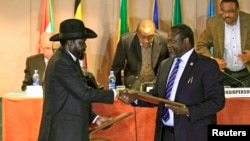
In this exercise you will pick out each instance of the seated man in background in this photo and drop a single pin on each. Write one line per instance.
(139, 54)
(38, 61)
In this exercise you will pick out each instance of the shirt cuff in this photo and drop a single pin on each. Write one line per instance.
(116, 93)
(95, 119)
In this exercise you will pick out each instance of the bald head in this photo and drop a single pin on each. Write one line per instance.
(44, 41)
(146, 26)
(146, 32)
(46, 45)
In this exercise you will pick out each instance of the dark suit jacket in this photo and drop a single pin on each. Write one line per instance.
(214, 36)
(67, 109)
(204, 96)
(128, 56)
(32, 63)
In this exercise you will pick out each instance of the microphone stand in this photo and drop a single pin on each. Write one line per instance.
(228, 75)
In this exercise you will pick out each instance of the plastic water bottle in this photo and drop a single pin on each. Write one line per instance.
(36, 78)
(112, 80)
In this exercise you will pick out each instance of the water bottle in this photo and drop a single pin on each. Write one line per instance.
(36, 78)
(112, 80)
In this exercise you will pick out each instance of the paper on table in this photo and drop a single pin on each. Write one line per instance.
(34, 91)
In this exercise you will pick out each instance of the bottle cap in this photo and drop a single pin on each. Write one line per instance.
(111, 72)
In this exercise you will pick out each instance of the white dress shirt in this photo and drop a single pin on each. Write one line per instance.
(232, 47)
(184, 58)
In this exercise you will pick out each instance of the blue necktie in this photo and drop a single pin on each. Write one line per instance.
(169, 87)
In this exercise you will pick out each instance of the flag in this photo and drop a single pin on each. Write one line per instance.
(155, 15)
(211, 9)
(78, 10)
(78, 15)
(210, 13)
(123, 23)
(47, 19)
(177, 19)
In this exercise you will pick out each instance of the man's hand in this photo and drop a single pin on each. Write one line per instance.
(126, 96)
(245, 56)
(179, 110)
(222, 64)
(102, 120)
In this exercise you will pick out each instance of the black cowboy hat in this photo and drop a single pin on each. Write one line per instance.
(71, 29)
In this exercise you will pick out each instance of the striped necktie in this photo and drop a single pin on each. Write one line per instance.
(169, 87)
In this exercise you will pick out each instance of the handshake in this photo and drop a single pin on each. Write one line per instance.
(126, 96)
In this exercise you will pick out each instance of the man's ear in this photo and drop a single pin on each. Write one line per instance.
(69, 42)
(186, 41)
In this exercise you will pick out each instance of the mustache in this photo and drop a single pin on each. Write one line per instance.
(171, 49)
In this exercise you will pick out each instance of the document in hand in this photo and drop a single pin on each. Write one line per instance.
(156, 100)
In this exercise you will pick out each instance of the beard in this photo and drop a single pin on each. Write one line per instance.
(172, 52)
(78, 54)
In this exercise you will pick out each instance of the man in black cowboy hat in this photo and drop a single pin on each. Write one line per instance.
(67, 111)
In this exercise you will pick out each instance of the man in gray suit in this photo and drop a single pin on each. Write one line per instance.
(38, 61)
(139, 54)
(229, 35)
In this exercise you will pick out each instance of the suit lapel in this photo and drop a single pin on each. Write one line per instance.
(221, 31)
(41, 65)
(243, 31)
(164, 75)
(184, 78)
(137, 48)
(77, 66)
(156, 49)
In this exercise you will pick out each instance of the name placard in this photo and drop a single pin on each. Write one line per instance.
(34, 91)
(237, 92)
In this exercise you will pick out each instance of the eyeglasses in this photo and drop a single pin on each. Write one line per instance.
(229, 12)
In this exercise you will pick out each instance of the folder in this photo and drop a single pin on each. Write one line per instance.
(155, 100)
(107, 124)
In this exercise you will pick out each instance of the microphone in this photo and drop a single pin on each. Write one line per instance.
(235, 79)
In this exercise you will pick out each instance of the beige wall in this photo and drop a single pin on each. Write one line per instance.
(19, 29)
